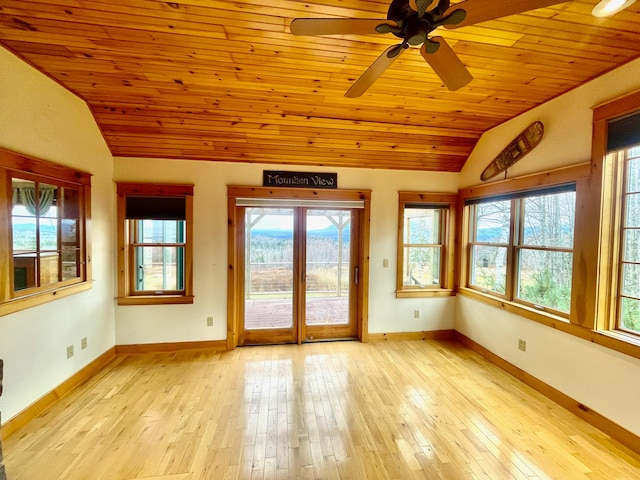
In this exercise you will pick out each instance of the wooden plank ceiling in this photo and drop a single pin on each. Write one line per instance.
(226, 81)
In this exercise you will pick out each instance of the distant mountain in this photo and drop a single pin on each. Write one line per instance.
(493, 235)
(329, 232)
(272, 233)
(25, 229)
(24, 236)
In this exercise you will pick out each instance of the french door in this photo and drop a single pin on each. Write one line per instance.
(300, 274)
(297, 271)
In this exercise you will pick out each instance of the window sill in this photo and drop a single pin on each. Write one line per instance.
(22, 303)
(619, 341)
(622, 342)
(524, 311)
(155, 300)
(425, 292)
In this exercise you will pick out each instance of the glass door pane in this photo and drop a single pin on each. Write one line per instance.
(269, 269)
(328, 274)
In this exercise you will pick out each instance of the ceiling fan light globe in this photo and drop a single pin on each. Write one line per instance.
(607, 8)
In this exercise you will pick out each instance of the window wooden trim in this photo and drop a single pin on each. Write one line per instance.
(235, 273)
(15, 164)
(578, 174)
(126, 296)
(449, 202)
(609, 175)
(513, 245)
(590, 297)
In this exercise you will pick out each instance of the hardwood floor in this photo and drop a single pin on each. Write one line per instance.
(399, 410)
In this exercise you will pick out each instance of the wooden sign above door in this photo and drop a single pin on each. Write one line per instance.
(277, 178)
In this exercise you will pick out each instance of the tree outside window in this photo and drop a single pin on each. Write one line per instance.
(545, 257)
(629, 294)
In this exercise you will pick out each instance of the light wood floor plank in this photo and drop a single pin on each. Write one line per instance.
(345, 410)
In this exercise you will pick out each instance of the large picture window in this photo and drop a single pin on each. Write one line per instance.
(155, 235)
(521, 247)
(425, 244)
(46, 248)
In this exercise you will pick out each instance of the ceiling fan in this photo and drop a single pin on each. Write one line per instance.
(413, 21)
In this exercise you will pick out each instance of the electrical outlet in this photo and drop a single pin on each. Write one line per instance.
(83, 343)
(522, 345)
(385, 263)
(209, 321)
(416, 314)
(70, 351)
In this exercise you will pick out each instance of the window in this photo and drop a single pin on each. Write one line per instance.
(629, 267)
(622, 167)
(489, 245)
(425, 244)
(45, 249)
(154, 231)
(521, 247)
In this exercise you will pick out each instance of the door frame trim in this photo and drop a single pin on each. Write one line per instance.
(234, 274)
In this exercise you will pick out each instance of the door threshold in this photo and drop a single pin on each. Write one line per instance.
(339, 339)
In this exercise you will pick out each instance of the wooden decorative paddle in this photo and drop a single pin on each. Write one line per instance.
(528, 139)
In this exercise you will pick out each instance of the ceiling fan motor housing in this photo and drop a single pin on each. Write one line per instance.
(414, 28)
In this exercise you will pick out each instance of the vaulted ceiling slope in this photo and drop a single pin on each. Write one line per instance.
(227, 81)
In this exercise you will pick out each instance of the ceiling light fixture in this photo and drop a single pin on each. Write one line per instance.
(606, 8)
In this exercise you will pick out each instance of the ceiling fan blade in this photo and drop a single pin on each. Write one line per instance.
(447, 65)
(338, 26)
(372, 73)
(483, 10)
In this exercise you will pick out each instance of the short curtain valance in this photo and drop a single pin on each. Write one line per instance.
(26, 196)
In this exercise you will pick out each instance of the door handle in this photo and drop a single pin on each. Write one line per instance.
(356, 275)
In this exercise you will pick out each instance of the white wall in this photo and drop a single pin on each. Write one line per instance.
(602, 379)
(41, 119)
(179, 323)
